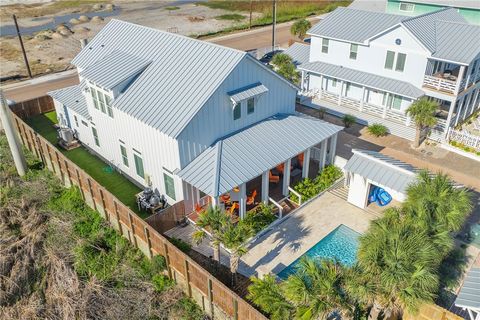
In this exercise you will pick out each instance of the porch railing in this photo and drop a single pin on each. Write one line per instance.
(465, 138)
(440, 84)
(276, 204)
(297, 194)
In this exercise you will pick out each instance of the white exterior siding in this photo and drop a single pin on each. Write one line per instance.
(215, 119)
(371, 58)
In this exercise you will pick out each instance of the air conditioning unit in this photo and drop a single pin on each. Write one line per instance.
(66, 139)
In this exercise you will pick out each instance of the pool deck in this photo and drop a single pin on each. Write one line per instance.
(300, 231)
(292, 237)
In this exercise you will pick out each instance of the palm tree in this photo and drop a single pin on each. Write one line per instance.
(267, 294)
(438, 206)
(234, 238)
(300, 28)
(213, 220)
(315, 289)
(281, 59)
(401, 263)
(423, 113)
(360, 290)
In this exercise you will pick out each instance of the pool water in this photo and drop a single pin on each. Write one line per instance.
(340, 244)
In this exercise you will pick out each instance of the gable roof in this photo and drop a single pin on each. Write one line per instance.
(72, 98)
(241, 156)
(247, 92)
(114, 68)
(182, 75)
(436, 30)
(299, 52)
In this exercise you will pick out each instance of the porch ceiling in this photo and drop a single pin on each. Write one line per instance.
(244, 155)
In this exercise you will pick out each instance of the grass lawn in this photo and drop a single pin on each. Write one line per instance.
(114, 182)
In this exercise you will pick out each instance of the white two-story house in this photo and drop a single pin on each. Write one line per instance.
(374, 65)
(189, 118)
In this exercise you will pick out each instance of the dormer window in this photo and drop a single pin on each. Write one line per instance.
(102, 100)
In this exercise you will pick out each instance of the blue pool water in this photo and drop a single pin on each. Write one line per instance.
(340, 244)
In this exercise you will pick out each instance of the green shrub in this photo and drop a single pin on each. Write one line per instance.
(309, 188)
(171, 8)
(162, 282)
(377, 129)
(189, 310)
(348, 120)
(232, 16)
(259, 218)
(180, 244)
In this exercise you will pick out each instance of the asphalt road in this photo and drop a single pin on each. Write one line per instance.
(247, 40)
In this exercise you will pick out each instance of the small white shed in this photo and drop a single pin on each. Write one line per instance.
(370, 168)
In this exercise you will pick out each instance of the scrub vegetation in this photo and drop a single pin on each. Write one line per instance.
(309, 188)
(377, 130)
(407, 258)
(230, 16)
(60, 260)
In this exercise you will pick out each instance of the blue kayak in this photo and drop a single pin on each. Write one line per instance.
(380, 196)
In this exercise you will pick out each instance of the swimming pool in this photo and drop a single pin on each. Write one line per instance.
(340, 244)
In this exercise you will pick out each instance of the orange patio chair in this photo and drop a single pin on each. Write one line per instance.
(198, 208)
(251, 199)
(234, 206)
(273, 178)
(280, 168)
(225, 198)
(300, 159)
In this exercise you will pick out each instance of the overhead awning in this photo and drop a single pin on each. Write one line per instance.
(381, 169)
(247, 92)
(469, 295)
(240, 157)
(369, 80)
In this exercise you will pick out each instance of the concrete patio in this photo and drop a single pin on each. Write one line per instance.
(292, 237)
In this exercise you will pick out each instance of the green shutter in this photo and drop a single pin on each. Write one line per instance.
(401, 62)
(139, 166)
(397, 102)
(389, 60)
(169, 186)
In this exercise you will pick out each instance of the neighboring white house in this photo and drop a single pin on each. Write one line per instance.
(190, 118)
(374, 65)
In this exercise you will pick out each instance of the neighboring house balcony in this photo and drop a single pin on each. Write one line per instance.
(449, 78)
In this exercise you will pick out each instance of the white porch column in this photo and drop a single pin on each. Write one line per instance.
(459, 79)
(323, 155)
(286, 177)
(384, 113)
(449, 117)
(333, 148)
(265, 185)
(321, 87)
(467, 105)
(306, 163)
(363, 99)
(341, 92)
(243, 200)
(474, 104)
(302, 86)
(215, 201)
(459, 112)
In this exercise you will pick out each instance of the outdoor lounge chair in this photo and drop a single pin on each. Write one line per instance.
(273, 178)
(300, 160)
(234, 207)
(251, 199)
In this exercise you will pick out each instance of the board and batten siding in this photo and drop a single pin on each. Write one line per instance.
(215, 119)
(371, 58)
(84, 133)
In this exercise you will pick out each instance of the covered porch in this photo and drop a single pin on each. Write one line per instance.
(259, 164)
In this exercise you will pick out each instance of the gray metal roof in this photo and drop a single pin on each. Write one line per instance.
(300, 53)
(381, 169)
(424, 26)
(242, 156)
(354, 25)
(469, 295)
(114, 68)
(444, 40)
(183, 74)
(247, 92)
(452, 43)
(72, 98)
(364, 78)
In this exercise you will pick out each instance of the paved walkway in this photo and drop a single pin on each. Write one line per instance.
(463, 170)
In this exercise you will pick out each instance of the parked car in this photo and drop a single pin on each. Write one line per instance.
(267, 57)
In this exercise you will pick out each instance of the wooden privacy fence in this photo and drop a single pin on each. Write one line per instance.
(33, 107)
(216, 299)
(168, 218)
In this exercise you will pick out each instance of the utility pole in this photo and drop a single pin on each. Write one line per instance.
(274, 17)
(21, 45)
(12, 137)
(251, 7)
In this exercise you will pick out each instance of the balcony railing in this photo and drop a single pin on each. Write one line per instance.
(440, 84)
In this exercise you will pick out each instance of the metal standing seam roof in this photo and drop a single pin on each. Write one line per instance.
(452, 44)
(247, 92)
(72, 98)
(244, 155)
(469, 295)
(381, 169)
(299, 52)
(114, 68)
(181, 77)
(364, 78)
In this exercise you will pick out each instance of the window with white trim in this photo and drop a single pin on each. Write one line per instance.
(353, 51)
(325, 43)
(390, 58)
(139, 165)
(95, 136)
(76, 120)
(334, 83)
(123, 152)
(407, 7)
(102, 101)
(237, 111)
(400, 65)
(250, 105)
(169, 186)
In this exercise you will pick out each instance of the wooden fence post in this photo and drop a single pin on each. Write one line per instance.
(80, 184)
(187, 278)
(149, 242)
(120, 228)
(68, 173)
(91, 193)
(167, 259)
(235, 308)
(131, 228)
(59, 166)
(210, 296)
(107, 215)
